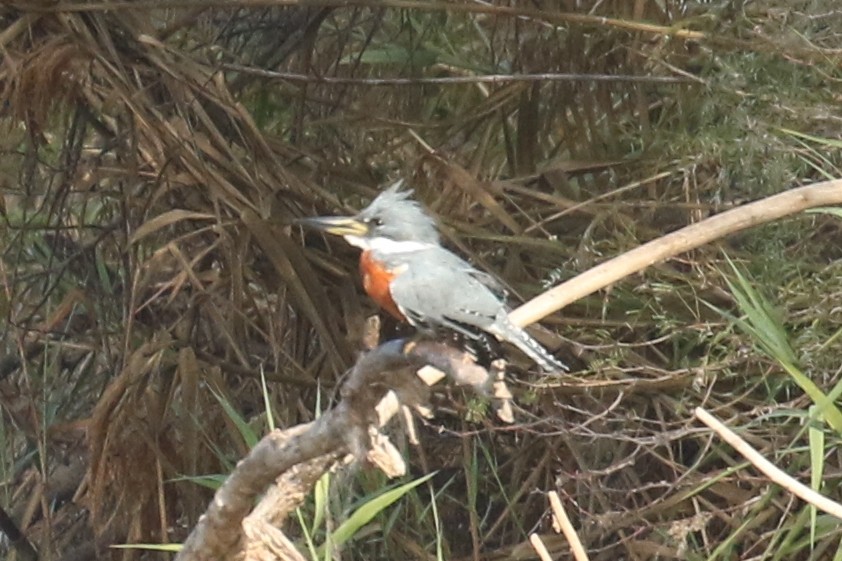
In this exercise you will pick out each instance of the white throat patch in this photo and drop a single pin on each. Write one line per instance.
(385, 245)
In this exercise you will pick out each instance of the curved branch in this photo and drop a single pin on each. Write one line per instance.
(391, 367)
(687, 238)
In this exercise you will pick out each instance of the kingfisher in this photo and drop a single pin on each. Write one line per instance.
(410, 275)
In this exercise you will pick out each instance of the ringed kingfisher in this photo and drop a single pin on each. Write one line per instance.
(408, 273)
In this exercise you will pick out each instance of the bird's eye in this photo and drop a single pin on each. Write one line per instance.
(377, 222)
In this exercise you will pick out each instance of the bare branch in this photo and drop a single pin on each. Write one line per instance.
(312, 448)
(687, 238)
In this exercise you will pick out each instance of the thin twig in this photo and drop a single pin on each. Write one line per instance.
(539, 547)
(562, 524)
(768, 468)
(450, 7)
(450, 80)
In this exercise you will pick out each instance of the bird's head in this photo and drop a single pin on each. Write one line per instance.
(391, 217)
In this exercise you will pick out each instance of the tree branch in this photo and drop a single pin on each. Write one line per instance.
(390, 368)
(687, 238)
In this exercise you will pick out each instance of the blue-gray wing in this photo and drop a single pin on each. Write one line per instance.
(437, 287)
(492, 283)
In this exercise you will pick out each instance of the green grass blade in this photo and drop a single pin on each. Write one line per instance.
(308, 538)
(267, 402)
(437, 521)
(766, 329)
(213, 481)
(816, 439)
(249, 436)
(831, 413)
(320, 495)
(830, 142)
(372, 508)
(831, 210)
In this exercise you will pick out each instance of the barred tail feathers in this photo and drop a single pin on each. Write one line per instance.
(507, 331)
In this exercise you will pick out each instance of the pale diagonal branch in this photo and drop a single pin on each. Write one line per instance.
(675, 243)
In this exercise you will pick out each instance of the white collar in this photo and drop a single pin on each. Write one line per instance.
(387, 246)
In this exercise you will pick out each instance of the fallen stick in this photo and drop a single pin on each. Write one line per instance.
(775, 474)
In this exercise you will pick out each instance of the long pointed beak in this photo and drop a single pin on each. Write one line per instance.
(336, 225)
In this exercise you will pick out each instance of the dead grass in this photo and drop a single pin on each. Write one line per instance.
(147, 262)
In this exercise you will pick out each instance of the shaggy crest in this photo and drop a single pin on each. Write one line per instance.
(395, 216)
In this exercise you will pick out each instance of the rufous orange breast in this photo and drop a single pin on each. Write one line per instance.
(376, 280)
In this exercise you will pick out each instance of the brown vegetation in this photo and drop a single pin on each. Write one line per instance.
(154, 154)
